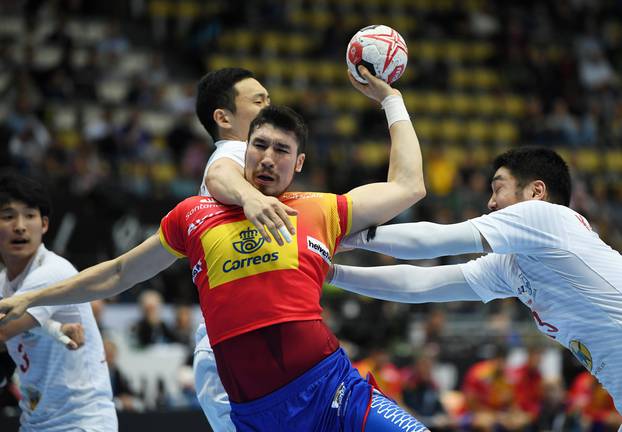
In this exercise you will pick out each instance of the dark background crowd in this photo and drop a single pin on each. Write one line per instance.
(97, 101)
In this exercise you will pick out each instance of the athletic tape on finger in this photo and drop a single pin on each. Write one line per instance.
(285, 233)
(64, 339)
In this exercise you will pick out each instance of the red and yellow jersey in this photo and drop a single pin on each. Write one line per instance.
(244, 282)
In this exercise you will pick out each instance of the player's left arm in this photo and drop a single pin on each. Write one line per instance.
(101, 281)
(377, 203)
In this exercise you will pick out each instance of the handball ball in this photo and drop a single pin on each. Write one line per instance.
(381, 50)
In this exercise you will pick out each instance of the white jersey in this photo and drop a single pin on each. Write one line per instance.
(210, 391)
(233, 150)
(548, 256)
(62, 390)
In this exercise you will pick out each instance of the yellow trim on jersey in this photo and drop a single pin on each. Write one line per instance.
(167, 246)
(349, 225)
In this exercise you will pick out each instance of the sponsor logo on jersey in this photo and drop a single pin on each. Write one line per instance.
(236, 250)
(249, 242)
(198, 267)
(316, 246)
(33, 396)
(524, 291)
(203, 206)
(197, 223)
(581, 352)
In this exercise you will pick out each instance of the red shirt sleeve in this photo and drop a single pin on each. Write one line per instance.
(344, 211)
(172, 235)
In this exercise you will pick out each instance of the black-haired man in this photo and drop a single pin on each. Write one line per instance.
(544, 253)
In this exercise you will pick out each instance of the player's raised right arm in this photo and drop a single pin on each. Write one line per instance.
(101, 281)
(377, 203)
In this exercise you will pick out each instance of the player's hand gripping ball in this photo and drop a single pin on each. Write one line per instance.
(381, 50)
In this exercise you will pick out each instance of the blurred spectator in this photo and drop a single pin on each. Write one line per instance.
(528, 384)
(187, 397)
(421, 392)
(88, 75)
(378, 363)
(563, 125)
(150, 329)
(596, 72)
(29, 138)
(124, 397)
(489, 396)
(183, 331)
(591, 406)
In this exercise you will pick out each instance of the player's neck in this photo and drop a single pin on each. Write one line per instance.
(15, 265)
(228, 135)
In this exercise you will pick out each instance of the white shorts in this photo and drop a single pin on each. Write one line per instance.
(210, 392)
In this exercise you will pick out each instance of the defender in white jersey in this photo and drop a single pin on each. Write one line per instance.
(545, 254)
(61, 390)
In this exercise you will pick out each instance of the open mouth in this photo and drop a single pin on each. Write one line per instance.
(265, 178)
(19, 241)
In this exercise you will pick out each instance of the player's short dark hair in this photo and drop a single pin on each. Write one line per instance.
(538, 163)
(16, 187)
(215, 91)
(284, 118)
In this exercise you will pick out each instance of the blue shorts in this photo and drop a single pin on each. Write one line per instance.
(331, 396)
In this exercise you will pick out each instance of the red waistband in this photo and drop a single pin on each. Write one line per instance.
(255, 364)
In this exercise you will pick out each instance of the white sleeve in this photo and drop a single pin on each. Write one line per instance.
(419, 240)
(233, 150)
(405, 283)
(526, 227)
(488, 276)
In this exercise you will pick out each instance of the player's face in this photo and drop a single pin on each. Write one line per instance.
(505, 190)
(272, 159)
(250, 98)
(21, 231)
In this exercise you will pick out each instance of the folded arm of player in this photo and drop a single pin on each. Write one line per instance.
(405, 283)
(100, 281)
(71, 334)
(376, 203)
(225, 181)
(419, 240)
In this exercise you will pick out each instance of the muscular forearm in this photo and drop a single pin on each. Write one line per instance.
(405, 163)
(226, 183)
(419, 240)
(97, 282)
(108, 278)
(377, 203)
(405, 283)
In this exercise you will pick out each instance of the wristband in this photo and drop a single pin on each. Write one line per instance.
(394, 109)
(53, 328)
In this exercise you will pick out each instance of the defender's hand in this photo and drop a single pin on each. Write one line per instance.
(75, 333)
(375, 88)
(268, 212)
(13, 307)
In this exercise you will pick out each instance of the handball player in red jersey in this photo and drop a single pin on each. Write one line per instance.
(281, 366)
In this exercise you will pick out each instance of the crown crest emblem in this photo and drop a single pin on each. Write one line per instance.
(248, 242)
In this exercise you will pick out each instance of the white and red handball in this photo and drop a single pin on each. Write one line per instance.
(381, 50)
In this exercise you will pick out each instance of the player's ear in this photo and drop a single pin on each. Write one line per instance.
(45, 224)
(538, 190)
(300, 160)
(222, 119)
